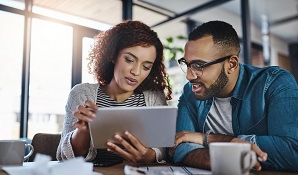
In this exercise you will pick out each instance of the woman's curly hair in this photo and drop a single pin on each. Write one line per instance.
(128, 34)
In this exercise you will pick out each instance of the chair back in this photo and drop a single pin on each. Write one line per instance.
(45, 143)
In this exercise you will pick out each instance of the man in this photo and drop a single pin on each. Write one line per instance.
(225, 101)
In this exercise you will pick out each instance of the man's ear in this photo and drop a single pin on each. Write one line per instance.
(233, 64)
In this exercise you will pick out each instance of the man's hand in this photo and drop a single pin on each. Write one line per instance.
(262, 156)
(187, 136)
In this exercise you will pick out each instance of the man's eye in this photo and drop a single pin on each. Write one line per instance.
(196, 65)
(128, 60)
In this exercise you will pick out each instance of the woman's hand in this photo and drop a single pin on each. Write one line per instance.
(261, 156)
(132, 149)
(80, 139)
(186, 136)
(85, 113)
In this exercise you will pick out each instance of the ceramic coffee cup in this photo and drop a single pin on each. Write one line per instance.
(231, 158)
(12, 152)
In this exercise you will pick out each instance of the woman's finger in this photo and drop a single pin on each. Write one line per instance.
(81, 116)
(86, 111)
(135, 142)
(83, 113)
(91, 106)
(128, 147)
(119, 151)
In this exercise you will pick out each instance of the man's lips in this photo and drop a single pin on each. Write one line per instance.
(197, 87)
(131, 81)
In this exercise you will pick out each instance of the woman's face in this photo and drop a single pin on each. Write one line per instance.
(132, 66)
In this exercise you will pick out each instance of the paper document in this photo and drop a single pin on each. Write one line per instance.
(164, 170)
(43, 166)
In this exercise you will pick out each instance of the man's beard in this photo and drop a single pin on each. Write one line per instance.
(216, 87)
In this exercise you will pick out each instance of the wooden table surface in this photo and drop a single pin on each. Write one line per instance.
(119, 170)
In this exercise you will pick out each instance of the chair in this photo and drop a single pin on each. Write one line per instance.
(44, 143)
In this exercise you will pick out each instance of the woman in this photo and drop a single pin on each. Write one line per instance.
(127, 62)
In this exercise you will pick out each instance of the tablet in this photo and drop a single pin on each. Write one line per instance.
(153, 126)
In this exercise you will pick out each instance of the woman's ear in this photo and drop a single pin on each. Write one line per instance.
(233, 64)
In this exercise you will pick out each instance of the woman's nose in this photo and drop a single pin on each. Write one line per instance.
(136, 70)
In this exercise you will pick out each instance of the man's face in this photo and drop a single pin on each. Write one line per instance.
(213, 89)
(214, 78)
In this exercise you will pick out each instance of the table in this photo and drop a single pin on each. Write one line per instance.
(119, 170)
(113, 170)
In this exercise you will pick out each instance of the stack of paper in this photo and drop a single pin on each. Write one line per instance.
(43, 166)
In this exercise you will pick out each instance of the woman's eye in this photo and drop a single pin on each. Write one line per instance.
(128, 60)
(146, 68)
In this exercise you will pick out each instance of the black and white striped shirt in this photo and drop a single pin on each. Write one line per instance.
(103, 100)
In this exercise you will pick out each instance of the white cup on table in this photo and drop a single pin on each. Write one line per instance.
(12, 152)
(231, 158)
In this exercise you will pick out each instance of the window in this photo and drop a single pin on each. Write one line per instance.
(50, 76)
(19, 4)
(10, 73)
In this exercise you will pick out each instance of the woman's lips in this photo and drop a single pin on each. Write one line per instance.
(131, 81)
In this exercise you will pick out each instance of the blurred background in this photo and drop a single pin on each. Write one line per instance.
(44, 45)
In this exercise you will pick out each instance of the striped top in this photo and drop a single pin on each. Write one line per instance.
(103, 100)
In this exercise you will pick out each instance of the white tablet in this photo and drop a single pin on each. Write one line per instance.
(153, 126)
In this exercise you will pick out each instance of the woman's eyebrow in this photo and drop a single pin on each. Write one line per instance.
(131, 54)
(135, 57)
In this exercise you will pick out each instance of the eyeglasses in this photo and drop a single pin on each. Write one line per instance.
(196, 66)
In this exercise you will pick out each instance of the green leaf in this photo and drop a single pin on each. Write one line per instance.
(167, 47)
(170, 39)
(181, 37)
(181, 49)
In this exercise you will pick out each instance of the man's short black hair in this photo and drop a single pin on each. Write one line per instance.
(223, 35)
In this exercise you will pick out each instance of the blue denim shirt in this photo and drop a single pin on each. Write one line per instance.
(264, 112)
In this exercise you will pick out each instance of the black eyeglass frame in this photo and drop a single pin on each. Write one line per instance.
(203, 65)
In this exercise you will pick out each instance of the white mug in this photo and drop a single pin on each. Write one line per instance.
(12, 152)
(231, 158)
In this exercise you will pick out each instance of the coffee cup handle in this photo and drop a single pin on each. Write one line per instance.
(252, 162)
(31, 151)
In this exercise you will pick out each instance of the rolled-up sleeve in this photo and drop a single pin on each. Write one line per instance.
(183, 150)
(186, 121)
(249, 138)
